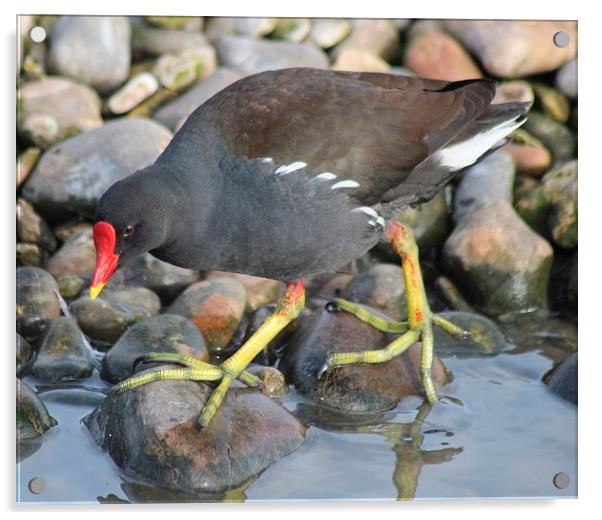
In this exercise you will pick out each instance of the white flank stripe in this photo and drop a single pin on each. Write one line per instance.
(461, 155)
(344, 184)
(367, 210)
(288, 168)
(326, 176)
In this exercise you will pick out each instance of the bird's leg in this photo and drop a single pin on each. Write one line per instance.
(233, 368)
(420, 318)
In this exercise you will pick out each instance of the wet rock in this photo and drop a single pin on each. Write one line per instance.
(553, 103)
(29, 255)
(252, 27)
(215, 306)
(327, 33)
(377, 37)
(514, 91)
(559, 190)
(515, 48)
(436, 55)
(25, 163)
(360, 60)
(181, 107)
(176, 71)
(76, 257)
(555, 136)
(562, 379)
(24, 353)
(37, 301)
(162, 278)
(380, 286)
(185, 23)
(33, 419)
(273, 383)
(73, 174)
(486, 338)
(249, 56)
(291, 29)
(155, 42)
(260, 291)
(163, 333)
(249, 433)
(107, 317)
(354, 389)
(135, 91)
(32, 228)
(498, 261)
(485, 183)
(92, 49)
(64, 354)
(52, 109)
(70, 286)
(566, 79)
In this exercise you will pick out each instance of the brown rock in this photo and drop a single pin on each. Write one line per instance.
(32, 228)
(260, 291)
(529, 158)
(77, 256)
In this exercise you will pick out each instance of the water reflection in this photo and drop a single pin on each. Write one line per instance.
(406, 439)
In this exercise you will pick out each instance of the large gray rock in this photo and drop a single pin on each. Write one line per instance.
(180, 108)
(52, 109)
(33, 419)
(249, 56)
(92, 49)
(151, 434)
(72, 175)
(37, 301)
(64, 354)
(563, 379)
(163, 333)
(485, 183)
(498, 262)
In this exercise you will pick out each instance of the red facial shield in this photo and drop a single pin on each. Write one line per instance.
(105, 240)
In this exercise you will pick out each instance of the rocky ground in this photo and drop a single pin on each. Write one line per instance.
(102, 97)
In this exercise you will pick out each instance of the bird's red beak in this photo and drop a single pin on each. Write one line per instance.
(106, 259)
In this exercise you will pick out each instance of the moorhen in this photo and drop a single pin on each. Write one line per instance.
(279, 174)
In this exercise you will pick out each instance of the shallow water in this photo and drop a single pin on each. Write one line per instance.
(498, 432)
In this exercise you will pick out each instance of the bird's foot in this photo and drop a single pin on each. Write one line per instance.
(419, 326)
(233, 368)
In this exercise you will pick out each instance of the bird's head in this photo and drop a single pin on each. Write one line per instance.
(131, 219)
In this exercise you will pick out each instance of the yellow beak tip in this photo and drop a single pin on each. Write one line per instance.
(95, 290)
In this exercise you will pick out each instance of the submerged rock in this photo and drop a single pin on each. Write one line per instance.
(33, 419)
(73, 174)
(107, 317)
(163, 333)
(515, 48)
(354, 389)
(380, 286)
(563, 378)
(92, 49)
(64, 354)
(37, 301)
(215, 306)
(498, 261)
(52, 109)
(76, 257)
(249, 56)
(151, 434)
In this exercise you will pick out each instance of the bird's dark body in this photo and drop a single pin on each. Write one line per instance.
(224, 204)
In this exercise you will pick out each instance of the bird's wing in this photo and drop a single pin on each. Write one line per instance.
(373, 127)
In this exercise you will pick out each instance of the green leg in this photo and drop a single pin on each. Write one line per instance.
(420, 318)
(233, 368)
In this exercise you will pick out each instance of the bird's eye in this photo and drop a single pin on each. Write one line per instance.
(128, 231)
